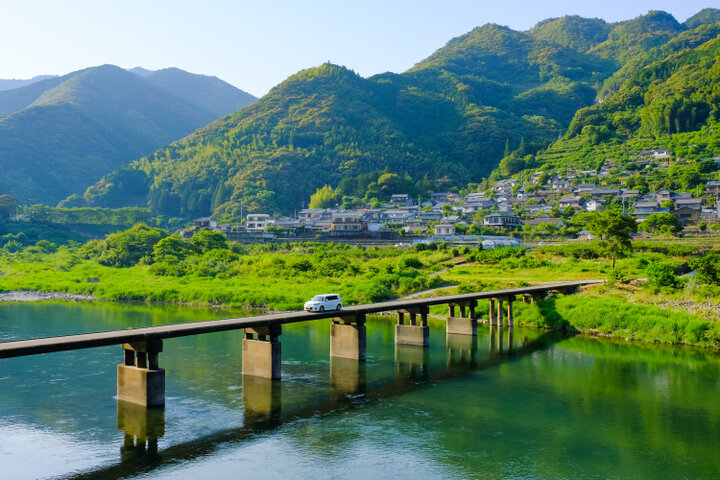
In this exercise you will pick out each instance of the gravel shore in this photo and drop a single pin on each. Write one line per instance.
(34, 296)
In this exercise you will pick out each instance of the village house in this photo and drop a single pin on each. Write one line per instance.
(206, 223)
(712, 187)
(431, 216)
(444, 229)
(655, 154)
(400, 200)
(257, 222)
(347, 222)
(645, 208)
(594, 205)
(574, 202)
(687, 215)
(394, 216)
(693, 203)
(502, 220)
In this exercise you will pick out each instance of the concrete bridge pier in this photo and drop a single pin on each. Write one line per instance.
(139, 379)
(348, 337)
(261, 353)
(416, 333)
(498, 312)
(510, 314)
(466, 323)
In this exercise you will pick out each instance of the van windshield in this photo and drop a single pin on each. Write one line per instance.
(318, 298)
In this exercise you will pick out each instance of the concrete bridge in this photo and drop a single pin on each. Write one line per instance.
(141, 381)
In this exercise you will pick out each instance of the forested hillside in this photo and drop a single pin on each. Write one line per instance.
(449, 117)
(672, 103)
(61, 134)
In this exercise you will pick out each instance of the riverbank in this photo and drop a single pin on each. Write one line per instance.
(36, 295)
(283, 277)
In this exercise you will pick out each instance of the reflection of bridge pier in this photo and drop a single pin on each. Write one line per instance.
(347, 377)
(499, 343)
(262, 397)
(461, 349)
(142, 427)
(412, 362)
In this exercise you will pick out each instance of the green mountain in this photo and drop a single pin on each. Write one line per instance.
(672, 103)
(10, 83)
(203, 91)
(449, 117)
(62, 134)
(633, 37)
(578, 33)
(704, 16)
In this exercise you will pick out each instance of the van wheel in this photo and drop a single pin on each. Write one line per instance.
(322, 309)
(339, 306)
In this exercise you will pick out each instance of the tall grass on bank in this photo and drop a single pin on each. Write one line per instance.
(616, 317)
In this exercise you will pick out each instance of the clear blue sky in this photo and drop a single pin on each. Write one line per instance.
(255, 45)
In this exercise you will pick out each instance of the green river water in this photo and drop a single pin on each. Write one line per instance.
(522, 404)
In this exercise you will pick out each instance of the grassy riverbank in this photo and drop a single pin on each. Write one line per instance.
(282, 277)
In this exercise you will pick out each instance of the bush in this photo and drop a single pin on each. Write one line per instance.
(661, 274)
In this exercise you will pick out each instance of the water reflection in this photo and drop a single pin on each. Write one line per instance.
(411, 362)
(461, 350)
(348, 378)
(142, 427)
(262, 398)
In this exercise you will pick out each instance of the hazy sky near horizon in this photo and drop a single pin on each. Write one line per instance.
(256, 45)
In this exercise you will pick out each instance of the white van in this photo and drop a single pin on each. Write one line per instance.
(327, 301)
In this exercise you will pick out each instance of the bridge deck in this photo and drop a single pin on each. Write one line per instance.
(88, 340)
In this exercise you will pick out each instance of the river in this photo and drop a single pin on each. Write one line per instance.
(523, 404)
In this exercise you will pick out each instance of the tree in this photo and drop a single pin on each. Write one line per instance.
(205, 240)
(8, 207)
(707, 267)
(661, 223)
(615, 229)
(124, 249)
(172, 248)
(322, 198)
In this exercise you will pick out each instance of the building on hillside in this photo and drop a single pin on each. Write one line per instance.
(687, 215)
(694, 203)
(657, 154)
(594, 205)
(257, 222)
(347, 222)
(444, 229)
(400, 200)
(431, 216)
(206, 223)
(644, 209)
(712, 187)
(502, 220)
(574, 202)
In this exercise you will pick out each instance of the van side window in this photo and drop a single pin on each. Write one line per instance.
(331, 297)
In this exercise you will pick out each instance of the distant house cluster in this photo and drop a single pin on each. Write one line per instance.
(541, 202)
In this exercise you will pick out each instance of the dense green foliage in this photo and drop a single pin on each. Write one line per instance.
(62, 134)
(667, 97)
(615, 317)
